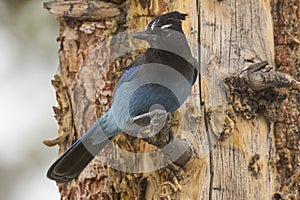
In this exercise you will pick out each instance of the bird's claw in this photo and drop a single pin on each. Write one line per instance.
(157, 117)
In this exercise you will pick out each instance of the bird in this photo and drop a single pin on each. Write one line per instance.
(159, 78)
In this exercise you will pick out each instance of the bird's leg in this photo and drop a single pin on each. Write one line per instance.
(158, 120)
(151, 114)
(161, 134)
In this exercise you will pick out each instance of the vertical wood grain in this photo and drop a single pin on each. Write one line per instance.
(228, 29)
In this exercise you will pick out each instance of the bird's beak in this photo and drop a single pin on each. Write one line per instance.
(144, 36)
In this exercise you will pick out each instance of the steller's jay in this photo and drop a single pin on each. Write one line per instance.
(160, 78)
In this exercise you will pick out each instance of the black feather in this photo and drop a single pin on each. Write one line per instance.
(174, 15)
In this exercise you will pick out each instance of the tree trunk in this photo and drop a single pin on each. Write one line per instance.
(286, 16)
(245, 142)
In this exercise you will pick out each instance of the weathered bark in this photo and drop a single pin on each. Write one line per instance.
(286, 15)
(229, 126)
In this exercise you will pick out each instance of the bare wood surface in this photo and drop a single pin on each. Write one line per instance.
(91, 10)
(228, 31)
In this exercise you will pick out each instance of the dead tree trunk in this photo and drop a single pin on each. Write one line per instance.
(230, 125)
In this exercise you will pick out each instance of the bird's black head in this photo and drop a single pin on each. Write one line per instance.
(163, 29)
(169, 21)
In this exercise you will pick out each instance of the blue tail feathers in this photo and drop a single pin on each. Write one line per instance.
(83, 151)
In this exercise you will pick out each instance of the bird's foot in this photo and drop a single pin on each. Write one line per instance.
(158, 119)
(156, 116)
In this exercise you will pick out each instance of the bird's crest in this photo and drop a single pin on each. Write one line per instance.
(174, 15)
(170, 20)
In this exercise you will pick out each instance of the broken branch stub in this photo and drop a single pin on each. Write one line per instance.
(260, 76)
(88, 10)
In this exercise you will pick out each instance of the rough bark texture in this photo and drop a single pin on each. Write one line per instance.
(230, 127)
(88, 79)
(286, 15)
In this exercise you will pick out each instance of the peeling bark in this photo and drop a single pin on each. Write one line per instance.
(63, 114)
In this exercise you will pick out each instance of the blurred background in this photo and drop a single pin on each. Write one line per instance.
(28, 61)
